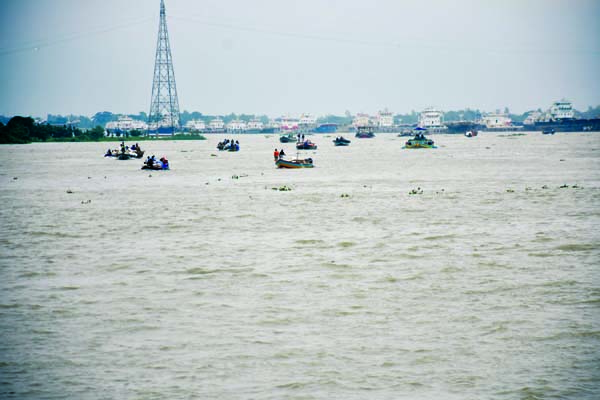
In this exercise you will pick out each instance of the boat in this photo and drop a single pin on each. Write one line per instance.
(419, 141)
(228, 145)
(233, 147)
(365, 132)
(289, 138)
(306, 145)
(160, 165)
(548, 131)
(326, 128)
(294, 164)
(471, 133)
(341, 141)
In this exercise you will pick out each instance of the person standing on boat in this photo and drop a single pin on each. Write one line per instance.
(276, 154)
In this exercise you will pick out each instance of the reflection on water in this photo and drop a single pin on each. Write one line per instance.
(204, 281)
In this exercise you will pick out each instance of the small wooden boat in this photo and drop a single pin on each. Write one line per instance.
(341, 141)
(365, 132)
(306, 145)
(293, 164)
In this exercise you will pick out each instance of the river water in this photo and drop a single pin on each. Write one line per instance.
(205, 282)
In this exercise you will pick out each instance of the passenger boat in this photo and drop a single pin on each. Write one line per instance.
(365, 132)
(341, 141)
(306, 145)
(419, 141)
(293, 164)
(228, 145)
(161, 165)
(289, 138)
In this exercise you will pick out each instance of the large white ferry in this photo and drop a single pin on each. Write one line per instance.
(498, 122)
(288, 123)
(236, 126)
(432, 120)
(196, 125)
(254, 126)
(216, 126)
(125, 124)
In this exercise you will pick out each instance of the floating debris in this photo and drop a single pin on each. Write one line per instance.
(15, 178)
(545, 187)
(562, 159)
(235, 177)
(213, 155)
(69, 191)
(86, 201)
(344, 195)
(283, 188)
(416, 191)
(510, 191)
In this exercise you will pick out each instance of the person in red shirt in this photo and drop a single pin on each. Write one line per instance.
(276, 154)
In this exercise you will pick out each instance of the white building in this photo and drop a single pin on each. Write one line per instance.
(362, 120)
(562, 109)
(432, 119)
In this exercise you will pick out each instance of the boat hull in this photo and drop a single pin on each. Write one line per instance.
(294, 164)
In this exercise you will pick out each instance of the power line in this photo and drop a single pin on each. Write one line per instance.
(41, 43)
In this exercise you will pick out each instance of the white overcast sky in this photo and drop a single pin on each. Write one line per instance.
(284, 56)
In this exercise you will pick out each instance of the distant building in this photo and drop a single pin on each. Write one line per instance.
(362, 119)
(385, 120)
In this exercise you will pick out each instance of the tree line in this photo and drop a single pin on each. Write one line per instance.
(20, 130)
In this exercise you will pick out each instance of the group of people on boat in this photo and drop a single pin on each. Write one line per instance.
(229, 144)
(153, 163)
(134, 151)
(278, 154)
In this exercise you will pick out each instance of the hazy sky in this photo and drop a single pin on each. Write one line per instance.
(283, 56)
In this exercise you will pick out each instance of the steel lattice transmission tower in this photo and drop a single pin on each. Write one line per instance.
(164, 108)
